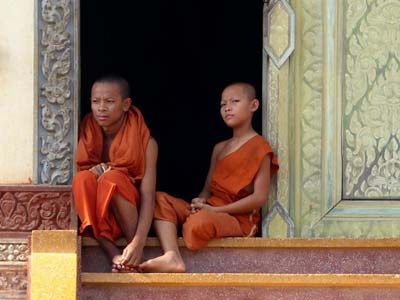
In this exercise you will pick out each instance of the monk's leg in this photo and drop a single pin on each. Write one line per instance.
(127, 217)
(169, 211)
(171, 261)
(204, 225)
(84, 187)
(116, 211)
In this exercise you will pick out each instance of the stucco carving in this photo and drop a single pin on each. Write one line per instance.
(55, 101)
(13, 281)
(13, 252)
(372, 100)
(278, 26)
(26, 211)
(279, 31)
(310, 110)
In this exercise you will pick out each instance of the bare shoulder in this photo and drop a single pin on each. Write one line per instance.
(218, 147)
(152, 148)
(152, 143)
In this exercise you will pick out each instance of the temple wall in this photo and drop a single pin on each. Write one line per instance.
(16, 91)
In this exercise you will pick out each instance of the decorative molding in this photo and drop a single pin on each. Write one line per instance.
(276, 121)
(13, 281)
(13, 251)
(56, 75)
(278, 210)
(279, 24)
(371, 147)
(22, 209)
(308, 108)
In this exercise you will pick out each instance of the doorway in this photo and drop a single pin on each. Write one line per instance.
(177, 55)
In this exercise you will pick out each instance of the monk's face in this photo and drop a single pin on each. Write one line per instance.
(236, 107)
(108, 105)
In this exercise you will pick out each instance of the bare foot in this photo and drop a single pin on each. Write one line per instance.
(118, 267)
(170, 262)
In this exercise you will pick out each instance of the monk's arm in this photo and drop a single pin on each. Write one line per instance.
(253, 201)
(132, 254)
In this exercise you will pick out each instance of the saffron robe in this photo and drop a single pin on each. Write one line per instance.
(127, 155)
(231, 175)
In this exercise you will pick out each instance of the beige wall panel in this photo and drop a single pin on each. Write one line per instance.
(16, 90)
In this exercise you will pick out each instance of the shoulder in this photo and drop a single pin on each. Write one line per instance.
(262, 143)
(219, 146)
(152, 144)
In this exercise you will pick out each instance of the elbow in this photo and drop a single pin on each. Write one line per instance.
(261, 201)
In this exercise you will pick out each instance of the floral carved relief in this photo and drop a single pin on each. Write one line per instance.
(12, 280)
(14, 252)
(26, 211)
(371, 113)
(55, 103)
(310, 123)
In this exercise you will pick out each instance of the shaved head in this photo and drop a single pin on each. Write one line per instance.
(119, 80)
(246, 89)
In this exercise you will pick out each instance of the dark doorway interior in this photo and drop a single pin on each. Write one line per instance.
(177, 55)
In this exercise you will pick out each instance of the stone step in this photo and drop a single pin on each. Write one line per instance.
(195, 286)
(271, 256)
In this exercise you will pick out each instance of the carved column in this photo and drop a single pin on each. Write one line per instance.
(57, 89)
(278, 45)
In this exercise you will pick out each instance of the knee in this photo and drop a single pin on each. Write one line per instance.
(199, 224)
(111, 175)
(83, 177)
(161, 199)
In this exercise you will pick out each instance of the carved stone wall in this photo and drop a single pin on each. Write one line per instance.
(27, 208)
(371, 104)
(24, 208)
(345, 119)
(58, 77)
(278, 31)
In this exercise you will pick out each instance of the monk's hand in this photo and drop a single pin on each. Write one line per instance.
(198, 206)
(198, 200)
(99, 169)
(132, 254)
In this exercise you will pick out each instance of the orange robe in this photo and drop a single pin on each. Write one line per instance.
(127, 161)
(232, 174)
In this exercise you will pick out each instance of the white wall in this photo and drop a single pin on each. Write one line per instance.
(16, 90)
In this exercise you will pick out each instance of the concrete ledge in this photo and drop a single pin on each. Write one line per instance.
(274, 243)
(242, 280)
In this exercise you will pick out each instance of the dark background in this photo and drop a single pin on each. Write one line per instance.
(177, 55)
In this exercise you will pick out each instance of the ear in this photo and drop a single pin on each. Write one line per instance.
(254, 104)
(126, 103)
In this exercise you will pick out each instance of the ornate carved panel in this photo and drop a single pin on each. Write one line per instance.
(29, 208)
(346, 99)
(57, 90)
(308, 95)
(371, 104)
(278, 43)
(13, 251)
(279, 31)
(13, 282)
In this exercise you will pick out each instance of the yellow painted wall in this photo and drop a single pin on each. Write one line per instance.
(16, 90)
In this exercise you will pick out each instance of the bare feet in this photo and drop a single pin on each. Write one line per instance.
(118, 267)
(170, 262)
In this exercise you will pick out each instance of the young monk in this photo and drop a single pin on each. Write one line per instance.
(114, 188)
(236, 187)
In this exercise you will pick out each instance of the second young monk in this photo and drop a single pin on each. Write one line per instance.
(114, 188)
(236, 187)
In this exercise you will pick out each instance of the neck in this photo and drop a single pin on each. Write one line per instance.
(111, 131)
(243, 132)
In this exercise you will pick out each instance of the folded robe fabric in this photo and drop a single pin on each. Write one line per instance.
(127, 161)
(232, 174)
